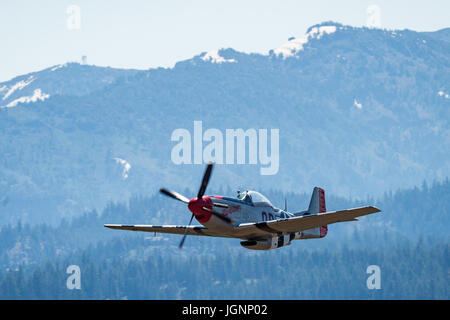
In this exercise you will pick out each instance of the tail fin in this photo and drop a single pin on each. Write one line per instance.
(317, 205)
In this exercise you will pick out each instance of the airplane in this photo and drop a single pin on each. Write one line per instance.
(252, 218)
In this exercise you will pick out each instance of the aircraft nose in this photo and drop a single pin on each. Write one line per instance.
(196, 207)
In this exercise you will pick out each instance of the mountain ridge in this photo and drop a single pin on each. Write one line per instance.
(360, 111)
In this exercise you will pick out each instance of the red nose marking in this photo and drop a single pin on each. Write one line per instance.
(196, 207)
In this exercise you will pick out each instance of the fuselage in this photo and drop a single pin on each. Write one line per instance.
(247, 208)
(243, 211)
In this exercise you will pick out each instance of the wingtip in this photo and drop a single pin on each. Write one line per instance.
(376, 209)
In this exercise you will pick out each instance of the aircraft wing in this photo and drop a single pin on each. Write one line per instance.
(192, 230)
(259, 229)
(301, 223)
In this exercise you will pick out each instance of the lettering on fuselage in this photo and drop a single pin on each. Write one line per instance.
(266, 216)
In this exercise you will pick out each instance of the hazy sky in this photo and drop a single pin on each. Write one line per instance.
(150, 33)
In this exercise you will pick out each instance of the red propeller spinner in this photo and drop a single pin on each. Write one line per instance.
(201, 206)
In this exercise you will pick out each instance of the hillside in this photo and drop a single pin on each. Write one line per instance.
(407, 216)
(359, 111)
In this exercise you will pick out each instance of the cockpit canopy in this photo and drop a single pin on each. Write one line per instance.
(253, 197)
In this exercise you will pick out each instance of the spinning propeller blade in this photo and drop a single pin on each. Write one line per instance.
(220, 205)
(185, 233)
(201, 192)
(205, 180)
(174, 195)
(218, 215)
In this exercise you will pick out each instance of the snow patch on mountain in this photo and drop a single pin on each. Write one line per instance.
(126, 167)
(18, 86)
(37, 95)
(214, 57)
(59, 66)
(294, 45)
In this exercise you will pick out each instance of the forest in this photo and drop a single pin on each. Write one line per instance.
(408, 241)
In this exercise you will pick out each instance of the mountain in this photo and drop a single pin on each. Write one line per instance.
(360, 111)
(69, 79)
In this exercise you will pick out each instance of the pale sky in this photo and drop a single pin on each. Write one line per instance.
(149, 33)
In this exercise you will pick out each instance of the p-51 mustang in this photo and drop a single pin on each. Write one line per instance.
(252, 218)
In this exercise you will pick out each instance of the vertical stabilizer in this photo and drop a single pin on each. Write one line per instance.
(317, 205)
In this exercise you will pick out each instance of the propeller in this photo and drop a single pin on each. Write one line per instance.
(185, 233)
(205, 180)
(218, 215)
(201, 192)
(174, 195)
(220, 205)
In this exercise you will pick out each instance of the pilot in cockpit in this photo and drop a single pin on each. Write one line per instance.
(244, 196)
(241, 195)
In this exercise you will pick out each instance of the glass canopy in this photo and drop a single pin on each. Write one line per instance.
(253, 196)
